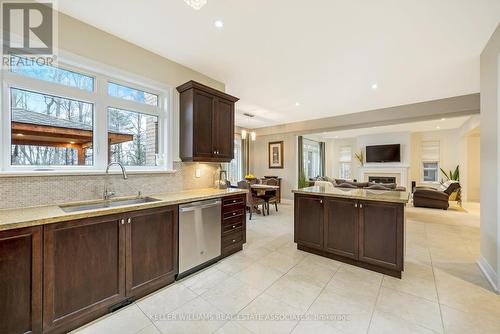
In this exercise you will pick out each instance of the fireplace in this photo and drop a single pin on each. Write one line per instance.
(382, 179)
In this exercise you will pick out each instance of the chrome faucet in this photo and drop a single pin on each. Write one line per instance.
(108, 194)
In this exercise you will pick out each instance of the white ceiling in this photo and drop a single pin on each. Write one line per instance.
(324, 54)
(423, 126)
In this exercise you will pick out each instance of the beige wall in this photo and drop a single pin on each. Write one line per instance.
(81, 39)
(473, 168)
(259, 161)
(489, 157)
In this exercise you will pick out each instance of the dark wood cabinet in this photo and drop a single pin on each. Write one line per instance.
(84, 271)
(381, 234)
(233, 229)
(151, 250)
(21, 281)
(92, 264)
(368, 234)
(206, 123)
(341, 227)
(309, 222)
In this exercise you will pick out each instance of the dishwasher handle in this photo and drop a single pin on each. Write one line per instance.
(195, 206)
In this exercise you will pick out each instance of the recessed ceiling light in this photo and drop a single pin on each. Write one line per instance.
(443, 119)
(297, 104)
(336, 136)
(219, 24)
(374, 86)
(438, 127)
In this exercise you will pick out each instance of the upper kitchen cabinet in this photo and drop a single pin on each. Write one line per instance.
(206, 123)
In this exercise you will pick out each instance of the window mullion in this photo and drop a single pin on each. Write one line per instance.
(101, 124)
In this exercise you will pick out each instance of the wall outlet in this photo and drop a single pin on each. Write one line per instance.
(198, 172)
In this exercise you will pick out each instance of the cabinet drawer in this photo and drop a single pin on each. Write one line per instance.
(232, 201)
(232, 239)
(233, 214)
(232, 227)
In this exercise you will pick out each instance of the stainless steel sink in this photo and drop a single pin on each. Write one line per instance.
(107, 204)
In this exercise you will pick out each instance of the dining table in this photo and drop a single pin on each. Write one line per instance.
(262, 190)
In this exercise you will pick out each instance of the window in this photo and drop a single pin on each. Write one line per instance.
(312, 158)
(430, 161)
(235, 167)
(345, 163)
(60, 120)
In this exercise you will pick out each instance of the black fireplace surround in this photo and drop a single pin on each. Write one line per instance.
(382, 179)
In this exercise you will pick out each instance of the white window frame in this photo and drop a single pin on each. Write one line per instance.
(102, 74)
(425, 160)
(345, 162)
(239, 161)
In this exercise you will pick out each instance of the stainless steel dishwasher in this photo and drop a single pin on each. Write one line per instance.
(199, 235)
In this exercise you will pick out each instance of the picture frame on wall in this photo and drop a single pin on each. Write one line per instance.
(275, 154)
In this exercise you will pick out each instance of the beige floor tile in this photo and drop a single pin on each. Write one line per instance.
(457, 322)
(165, 301)
(384, 323)
(195, 317)
(311, 271)
(410, 308)
(231, 295)
(294, 291)
(204, 280)
(128, 320)
(290, 249)
(417, 279)
(232, 327)
(258, 276)
(279, 261)
(149, 330)
(234, 263)
(258, 316)
(353, 281)
(315, 327)
(256, 253)
(352, 314)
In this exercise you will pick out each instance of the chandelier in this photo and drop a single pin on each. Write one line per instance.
(196, 4)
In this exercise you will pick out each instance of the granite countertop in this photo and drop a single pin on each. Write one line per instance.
(361, 194)
(41, 215)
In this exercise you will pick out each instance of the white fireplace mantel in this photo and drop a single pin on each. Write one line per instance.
(383, 170)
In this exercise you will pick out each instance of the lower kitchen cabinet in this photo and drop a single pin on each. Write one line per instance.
(84, 271)
(151, 250)
(21, 281)
(233, 229)
(341, 227)
(92, 264)
(363, 233)
(381, 234)
(309, 221)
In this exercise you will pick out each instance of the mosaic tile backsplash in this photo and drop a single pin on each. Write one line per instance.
(17, 192)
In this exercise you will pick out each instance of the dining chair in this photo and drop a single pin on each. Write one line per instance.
(274, 198)
(252, 201)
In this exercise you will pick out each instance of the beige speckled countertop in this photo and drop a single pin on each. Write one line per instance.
(41, 215)
(361, 194)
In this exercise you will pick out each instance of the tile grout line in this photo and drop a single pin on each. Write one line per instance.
(375, 305)
(435, 281)
(323, 289)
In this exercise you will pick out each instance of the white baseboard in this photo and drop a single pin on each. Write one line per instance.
(286, 201)
(488, 271)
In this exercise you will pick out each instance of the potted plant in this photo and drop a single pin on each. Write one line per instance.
(452, 176)
(360, 157)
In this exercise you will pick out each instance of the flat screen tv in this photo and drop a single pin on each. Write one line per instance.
(383, 153)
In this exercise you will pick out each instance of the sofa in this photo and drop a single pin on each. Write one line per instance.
(346, 184)
(436, 198)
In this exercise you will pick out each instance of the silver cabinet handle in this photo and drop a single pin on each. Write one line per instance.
(234, 201)
(320, 201)
(234, 241)
(355, 205)
(129, 220)
(234, 226)
(360, 206)
(123, 221)
(234, 213)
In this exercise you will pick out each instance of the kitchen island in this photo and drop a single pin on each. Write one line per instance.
(361, 227)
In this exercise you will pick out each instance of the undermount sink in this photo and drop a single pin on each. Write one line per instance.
(107, 204)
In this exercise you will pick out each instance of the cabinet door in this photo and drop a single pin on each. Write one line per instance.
(341, 227)
(84, 271)
(203, 147)
(151, 250)
(381, 234)
(20, 280)
(223, 135)
(309, 221)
